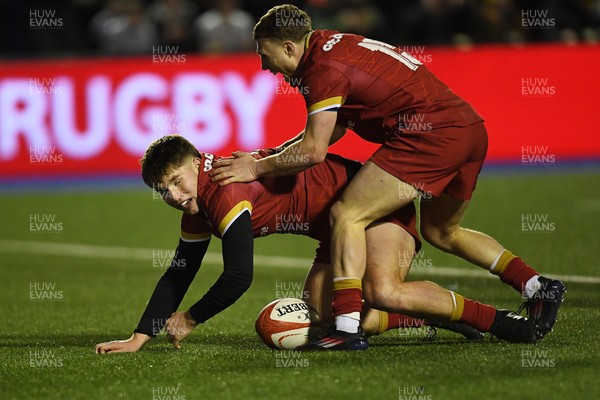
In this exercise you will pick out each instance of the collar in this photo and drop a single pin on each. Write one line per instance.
(306, 41)
(304, 56)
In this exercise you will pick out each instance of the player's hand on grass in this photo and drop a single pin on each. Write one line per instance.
(240, 168)
(131, 345)
(178, 327)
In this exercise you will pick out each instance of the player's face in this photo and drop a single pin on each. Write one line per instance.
(179, 188)
(277, 57)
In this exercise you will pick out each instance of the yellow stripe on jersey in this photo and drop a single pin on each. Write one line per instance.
(195, 237)
(322, 105)
(233, 214)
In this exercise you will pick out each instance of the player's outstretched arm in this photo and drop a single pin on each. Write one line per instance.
(165, 299)
(238, 249)
(338, 132)
(131, 345)
(302, 154)
(172, 286)
(289, 142)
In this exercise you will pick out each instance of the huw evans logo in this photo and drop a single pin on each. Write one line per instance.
(537, 19)
(44, 19)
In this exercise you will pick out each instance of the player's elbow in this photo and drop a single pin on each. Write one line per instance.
(314, 159)
(245, 282)
(312, 150)
(241, 280)
(316, 155)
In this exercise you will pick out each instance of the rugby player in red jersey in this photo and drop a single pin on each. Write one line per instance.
(237, 213)
(349, 81)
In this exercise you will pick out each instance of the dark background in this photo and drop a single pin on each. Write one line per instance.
(88, 24)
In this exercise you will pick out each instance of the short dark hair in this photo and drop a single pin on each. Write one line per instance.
(283, 22)
(163, 156)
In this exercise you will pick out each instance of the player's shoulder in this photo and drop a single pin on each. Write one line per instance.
(218, 206)
(237, 189)
(228, 202)
(209, 191)
(327, 40)
(221, 199)
(325, 44)
(329, 52)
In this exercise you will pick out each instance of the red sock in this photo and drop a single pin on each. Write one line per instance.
(347, 296)
(346, 301)
(479, 316)
(512, 270)
(388, 321)
(517, 273)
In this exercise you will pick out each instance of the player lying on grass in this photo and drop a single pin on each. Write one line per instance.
(432, 143)
(237, 213)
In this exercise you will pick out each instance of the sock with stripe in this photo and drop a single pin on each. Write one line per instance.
(388, 321)
(516, 273)
(347, 303)
(479, 316)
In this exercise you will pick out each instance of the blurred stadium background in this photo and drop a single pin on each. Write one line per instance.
(118, 27)
(86, 85)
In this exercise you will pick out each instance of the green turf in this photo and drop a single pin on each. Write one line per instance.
(47, 346)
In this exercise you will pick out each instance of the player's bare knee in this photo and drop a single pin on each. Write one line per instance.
(336, 212)
(343, 214)
(376, 294)
(379, 297)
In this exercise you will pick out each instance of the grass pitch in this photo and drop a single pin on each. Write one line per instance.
(85, 295)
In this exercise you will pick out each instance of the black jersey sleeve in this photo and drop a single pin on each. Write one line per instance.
(172, 286)
(238, 249)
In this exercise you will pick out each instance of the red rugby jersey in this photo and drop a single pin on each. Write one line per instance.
(375, 88)
(288, 204)
(297, 204)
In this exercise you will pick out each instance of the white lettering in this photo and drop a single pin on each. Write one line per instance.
(21, 114)
(132, 91)
(78, 119)
(200, 103)
(72, 141)
(250, 104)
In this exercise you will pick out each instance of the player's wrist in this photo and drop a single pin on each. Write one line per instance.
(140, 338)
(259, 167)
(190, 319)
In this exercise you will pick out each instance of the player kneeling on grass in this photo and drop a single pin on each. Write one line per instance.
(239, 212)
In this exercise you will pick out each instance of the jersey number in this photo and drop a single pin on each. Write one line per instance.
(404, 57)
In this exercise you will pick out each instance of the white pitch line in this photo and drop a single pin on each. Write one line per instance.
(145, 254)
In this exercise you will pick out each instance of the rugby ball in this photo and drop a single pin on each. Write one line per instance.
(285, 323)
